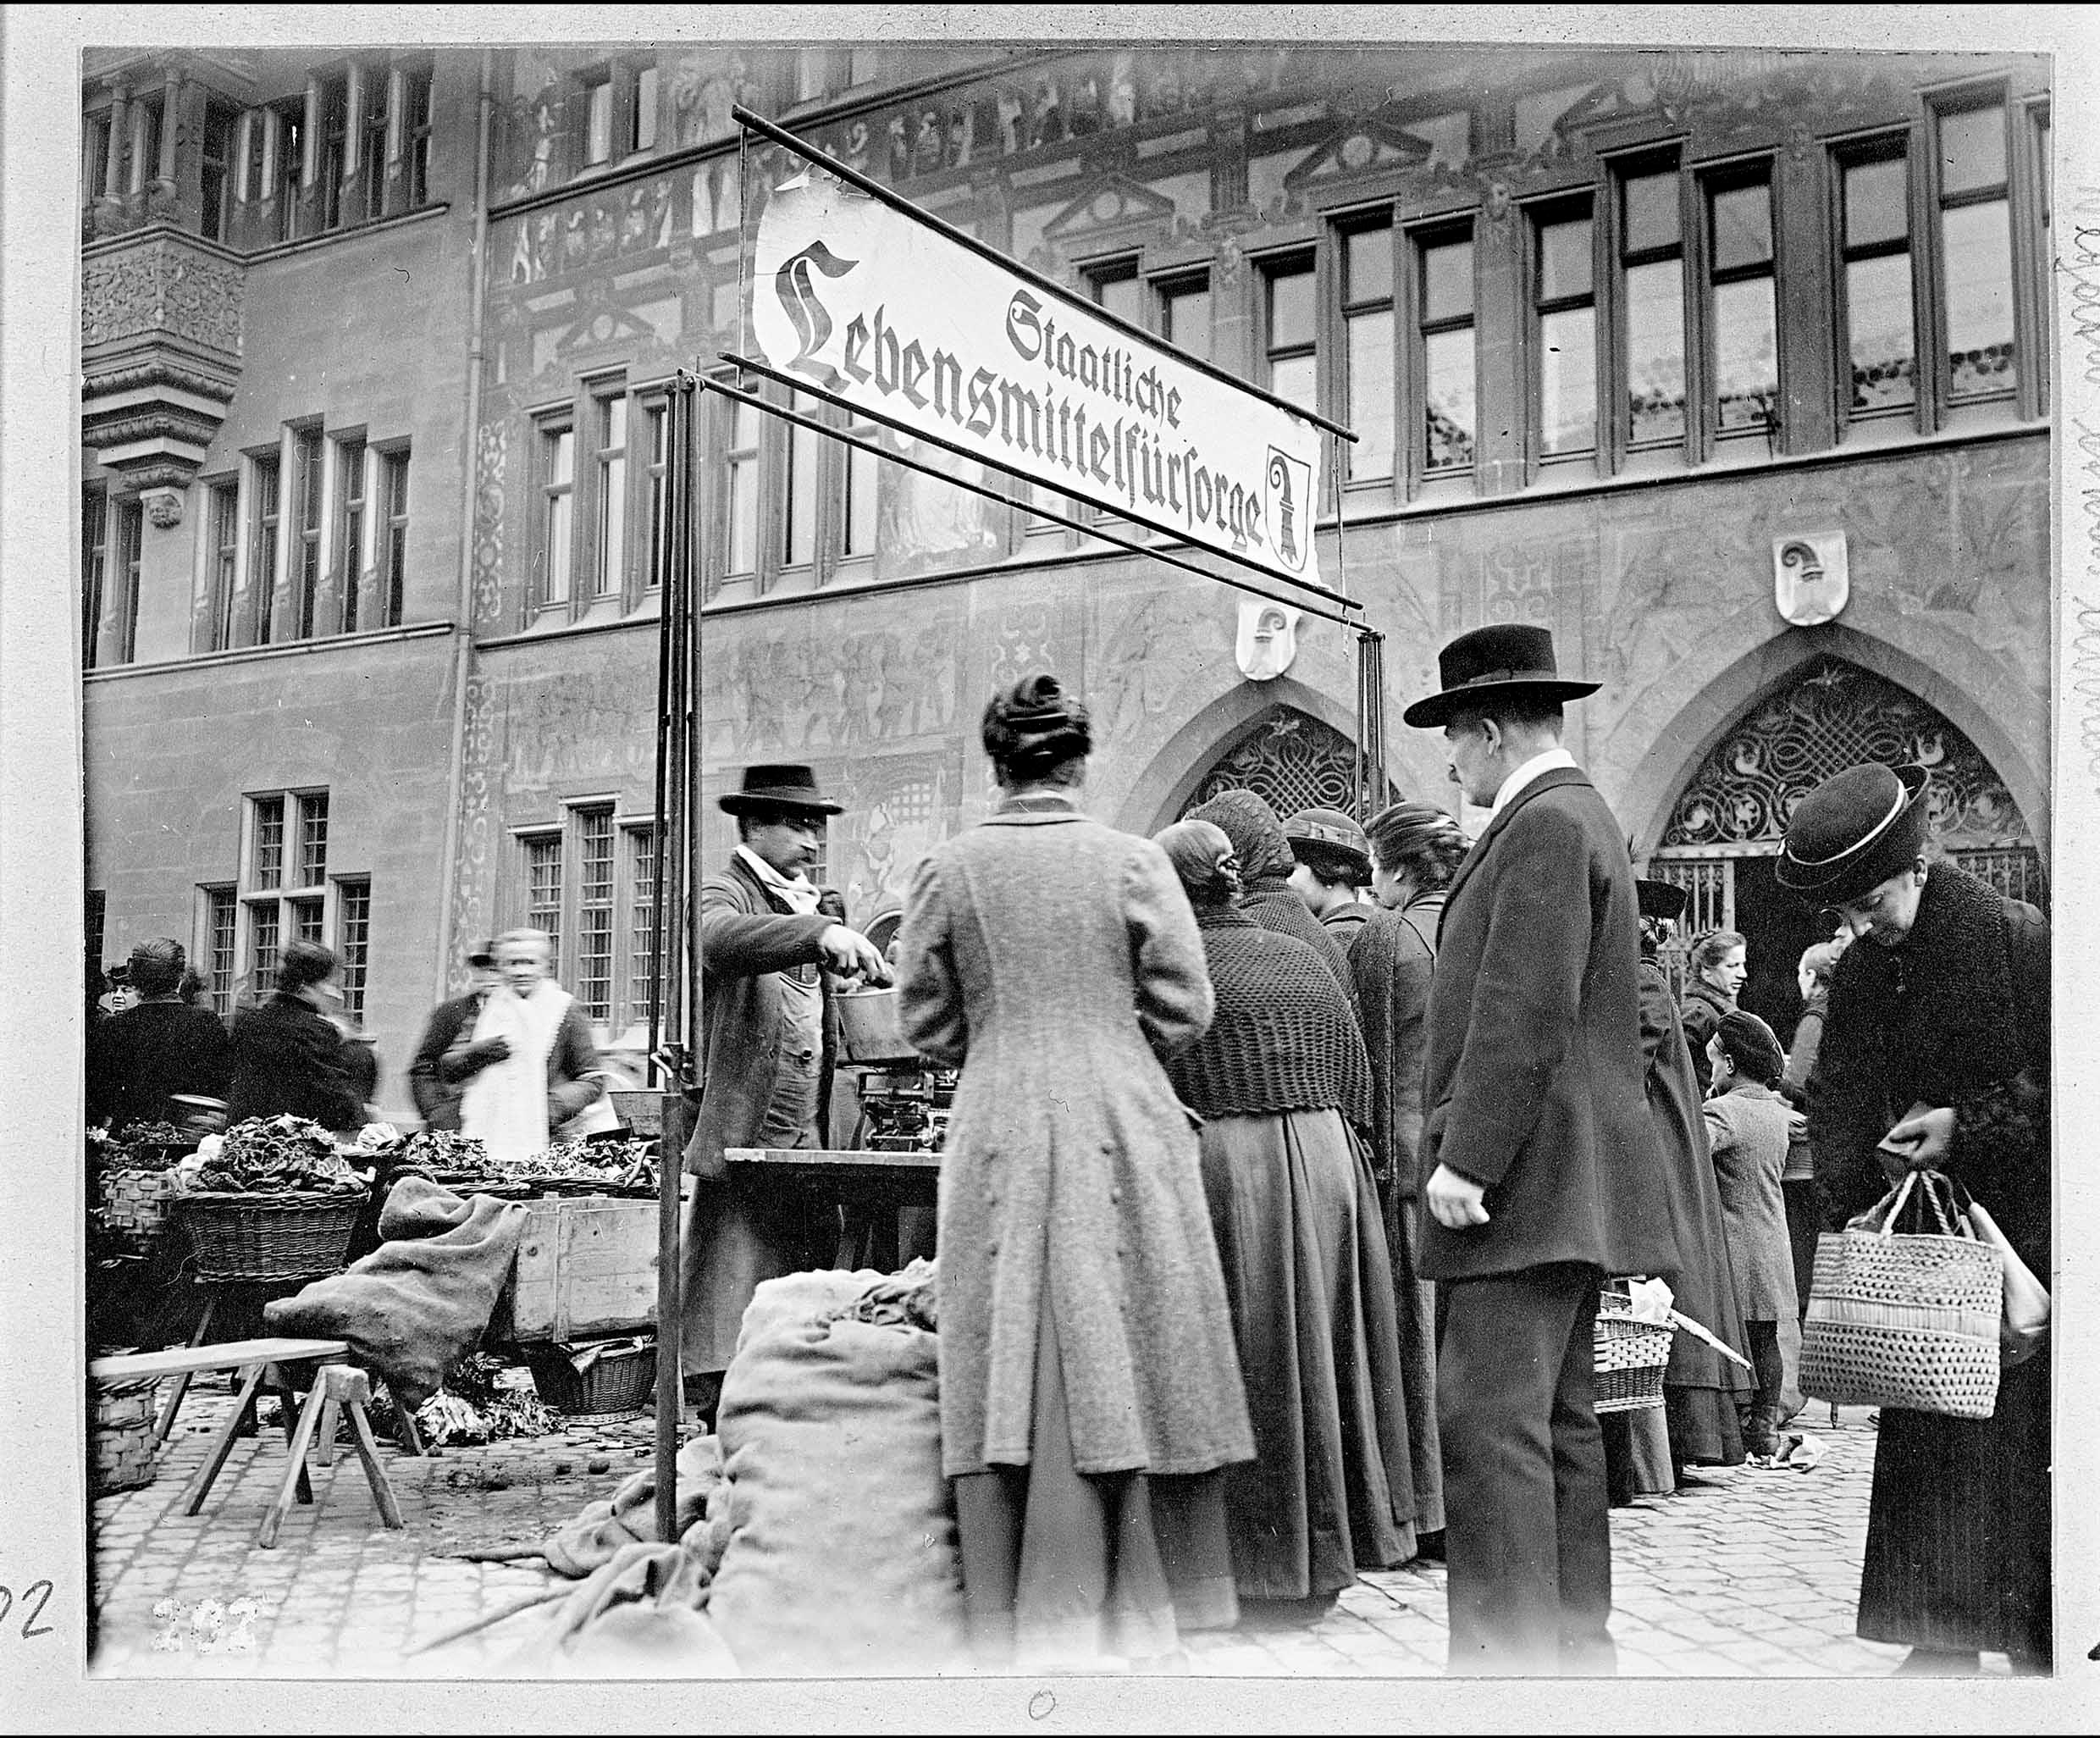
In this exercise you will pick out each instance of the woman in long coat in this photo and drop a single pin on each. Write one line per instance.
(1415, 850)
(1295, 1213)
(1938, 1039)
(1090, 1389)
(1700, 1388)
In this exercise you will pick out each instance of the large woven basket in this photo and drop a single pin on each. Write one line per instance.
(120, 1436)
(266, 1238)
(617, 1383)
(1631, 1357)
(135, 1205)
(1903, 1321)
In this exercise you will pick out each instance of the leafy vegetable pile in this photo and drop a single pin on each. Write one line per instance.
(613, 1163)
(277, 1156)
(482, 1401)
(443, 1152)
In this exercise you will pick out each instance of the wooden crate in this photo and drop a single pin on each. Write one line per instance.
(586, 1265)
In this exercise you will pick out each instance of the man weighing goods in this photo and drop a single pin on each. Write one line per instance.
(769, 1035)
(1541, 1172)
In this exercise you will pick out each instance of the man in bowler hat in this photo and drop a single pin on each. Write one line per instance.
(768, 952)
(1541, 1173)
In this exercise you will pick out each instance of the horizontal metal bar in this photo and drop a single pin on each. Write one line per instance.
(766, 369)
(897, 201)
(800, 421)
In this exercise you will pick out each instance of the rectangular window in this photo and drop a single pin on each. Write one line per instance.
(215, 165)
(1450, 420)
(305, 920)
(1289, 327)
(1117, 288)
(291, 166)
(116, 624)
(1564, 295)
(335, 140)
(416, 137)
(225, 549)
(145, 142)
(592, 984)
(306, 557)
(265, 927)
(657, 421)
(262, 557)
(798, 531)
(863, 480)
(220, 914)
(393, 547)
(1743, 312)
(610, 546)
(641, 922)
(94, 567)
(811, 70)
(313, 829)
(1370, 378)
(1881, 365)
(1975, 254)
(371, 144)
(350, 525)
(861, 64)
(94, 158)
(642, 120)
(1651, 257)
(267, 865)
(543, 889)
(597, 117)
(557, 505)
(353, 942)
(1185, 315)
(742, 472)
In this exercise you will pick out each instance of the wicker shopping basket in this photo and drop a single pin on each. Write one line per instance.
(264, 1238)
(1902, 1319)
(120, 1436)
(1631, 1357)
(135, 1205)
(596, 1381)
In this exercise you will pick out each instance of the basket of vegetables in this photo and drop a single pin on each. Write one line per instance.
(132, 1181)
(273, 1201)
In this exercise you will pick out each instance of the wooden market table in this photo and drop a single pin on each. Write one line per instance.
(884, 1187)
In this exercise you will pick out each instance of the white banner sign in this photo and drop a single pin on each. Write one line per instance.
(895, 317)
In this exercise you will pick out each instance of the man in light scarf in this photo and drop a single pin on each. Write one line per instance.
(537, 1067)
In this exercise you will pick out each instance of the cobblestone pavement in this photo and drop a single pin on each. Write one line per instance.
(1754, 1574)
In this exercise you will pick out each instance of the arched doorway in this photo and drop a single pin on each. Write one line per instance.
(1725, 829)
(1289, 759)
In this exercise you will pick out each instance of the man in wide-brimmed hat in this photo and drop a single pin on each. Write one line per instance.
(1541, 1172)
(767, 953)
(1935, 1056)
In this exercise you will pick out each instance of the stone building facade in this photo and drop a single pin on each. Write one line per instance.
(1636, 344)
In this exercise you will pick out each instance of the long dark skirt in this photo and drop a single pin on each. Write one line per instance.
(1958, 1556)
(1637, 1454)
(1060, 1568)
(1309, 1282)
(1414, 1313)
(1803, 1198)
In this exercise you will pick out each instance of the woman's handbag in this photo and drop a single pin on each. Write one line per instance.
(2024, 1326)
(1909, 1319)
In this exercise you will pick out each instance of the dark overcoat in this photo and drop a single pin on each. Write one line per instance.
(744, 941)
(1391, 960)
(289, 1061)
(1532, 1074)
(1056, 960)
(136, 1059)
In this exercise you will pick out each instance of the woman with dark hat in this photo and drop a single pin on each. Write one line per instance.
(1415, 850)
(1295, 1215)
(289, 1058)
(159, 1046)
(1091, 1395)
(1701, 1390)
(1938, 1047)
(1266, 864)
(1333, 862)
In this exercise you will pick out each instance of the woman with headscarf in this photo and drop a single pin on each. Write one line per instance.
(1938, 1045)
(1416, 849)
(1091, 1396)
(1700, 1388)
(1295, 1215)
(1266, 864)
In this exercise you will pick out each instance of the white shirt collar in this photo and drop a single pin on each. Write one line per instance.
(800, 892)
(1551, 761)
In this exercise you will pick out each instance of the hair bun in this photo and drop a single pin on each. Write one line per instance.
(1037, 722)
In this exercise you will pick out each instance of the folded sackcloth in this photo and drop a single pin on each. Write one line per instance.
(906, 1298)
(638, 1615)
(417, 1207)
(607, 1526)
(412, 1307)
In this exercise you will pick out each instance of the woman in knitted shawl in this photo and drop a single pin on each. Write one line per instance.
(1266, 862)
(1937, 1040)
(1309, 1281)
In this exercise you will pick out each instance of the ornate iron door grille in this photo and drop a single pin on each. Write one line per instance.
(1292, 761)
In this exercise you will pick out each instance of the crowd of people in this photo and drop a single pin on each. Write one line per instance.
(1289, 1159)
